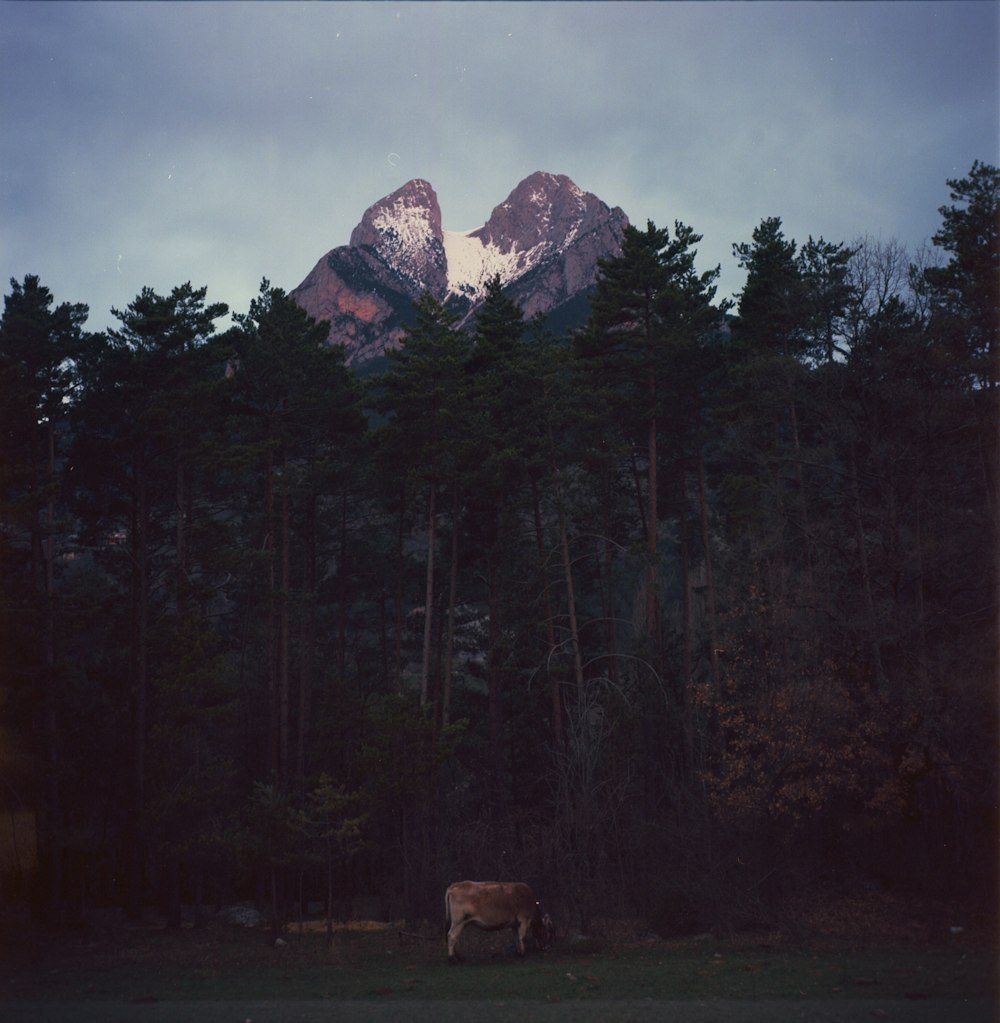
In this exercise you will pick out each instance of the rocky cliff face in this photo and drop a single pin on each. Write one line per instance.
(403, 231)
(544, 241)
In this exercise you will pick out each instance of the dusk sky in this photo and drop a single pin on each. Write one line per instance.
(219, 143)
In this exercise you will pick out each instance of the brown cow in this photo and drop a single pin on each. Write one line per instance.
(494, 905)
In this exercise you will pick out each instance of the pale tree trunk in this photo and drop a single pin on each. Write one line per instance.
(183, 555)
(607, 560)
(713, 628)
(425, 666)
(637, 482)
(142, 633)
(140, 684)
(651, 535)
(308, 640)
(495, 708)
(452, 598)
(55, 822)
(803, 503)
(924, 660)
(866, 581)
(398, 600)
(271, 620)
(284, 662)
(181, 594)
(574, 631)
(342, 593)
(556, 697)
(687, 639)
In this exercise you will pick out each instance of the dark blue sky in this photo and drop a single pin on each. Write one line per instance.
(154, 143)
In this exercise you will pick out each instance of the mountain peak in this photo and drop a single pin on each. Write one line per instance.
(543, 241)
(544, 215)
(542, 208)
(403, 229)
(414, 204)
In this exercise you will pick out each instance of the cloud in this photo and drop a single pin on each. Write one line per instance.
(149, 144)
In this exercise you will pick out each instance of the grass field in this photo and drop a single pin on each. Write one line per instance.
(381, 972)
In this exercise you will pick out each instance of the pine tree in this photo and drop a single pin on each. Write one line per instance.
(37, 379)
(295, 407)
(965, 292)
(137, 418)
(645, 300)
(423, 393)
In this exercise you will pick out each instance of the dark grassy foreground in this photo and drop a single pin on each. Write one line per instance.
(220, 973)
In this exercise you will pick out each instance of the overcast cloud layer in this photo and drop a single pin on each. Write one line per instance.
(156, 143)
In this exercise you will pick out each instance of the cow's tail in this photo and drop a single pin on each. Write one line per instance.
(447, 911)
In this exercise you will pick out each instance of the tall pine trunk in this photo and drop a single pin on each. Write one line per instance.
(652, 516)
(425, 664)
(871, 624)
(271, 620)
(308, 640)
(494, 668)
(574, 630)
(397, 667)
(285, 625)
(607, 562)
(550, 632)
(140, 685)
(445, 713)
(55, 838)
(713, 627)
(687, 637)
(342, 592)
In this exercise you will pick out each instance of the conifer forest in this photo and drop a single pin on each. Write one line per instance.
(679, 614)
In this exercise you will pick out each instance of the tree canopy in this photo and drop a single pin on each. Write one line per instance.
(686, 611)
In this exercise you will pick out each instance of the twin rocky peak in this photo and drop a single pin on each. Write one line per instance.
(544, 241)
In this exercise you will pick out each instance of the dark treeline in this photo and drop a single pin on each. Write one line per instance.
(678, 616)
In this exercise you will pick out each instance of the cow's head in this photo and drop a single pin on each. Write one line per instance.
(543, 929)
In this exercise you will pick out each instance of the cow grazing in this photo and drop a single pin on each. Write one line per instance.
(492, 906)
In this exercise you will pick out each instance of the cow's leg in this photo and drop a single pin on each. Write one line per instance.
(456, 930)
(521, 930)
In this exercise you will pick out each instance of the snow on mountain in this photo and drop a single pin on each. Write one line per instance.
(404, 231)
(541, 216)
(472, 263)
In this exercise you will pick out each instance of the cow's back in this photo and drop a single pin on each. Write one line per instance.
(495, 900)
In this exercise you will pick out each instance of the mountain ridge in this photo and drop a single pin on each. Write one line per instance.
(543, 240)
